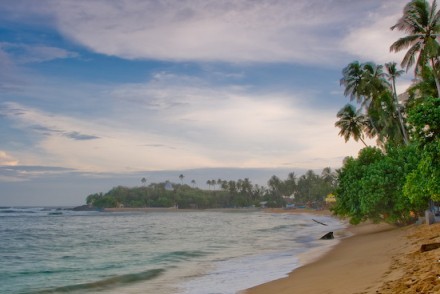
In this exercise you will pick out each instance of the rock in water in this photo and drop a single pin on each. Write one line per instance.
(328, 236)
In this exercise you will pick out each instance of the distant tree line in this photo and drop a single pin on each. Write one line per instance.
(309, 189)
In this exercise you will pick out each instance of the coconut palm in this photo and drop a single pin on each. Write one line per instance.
(423, 86)
(352, 76)
(352, 123)
(421, 22)
(383, 113)
(373, 81)
(392, 74)
(363, 82)
(366, 83)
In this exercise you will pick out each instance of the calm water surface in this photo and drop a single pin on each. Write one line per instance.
(53, 251)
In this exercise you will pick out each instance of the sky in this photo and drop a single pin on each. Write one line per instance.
(95, 94)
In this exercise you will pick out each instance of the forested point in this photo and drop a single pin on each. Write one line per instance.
(308, 190)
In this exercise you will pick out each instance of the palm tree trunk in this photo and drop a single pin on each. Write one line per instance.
(436, 70)
(363, 141)
(402, 127)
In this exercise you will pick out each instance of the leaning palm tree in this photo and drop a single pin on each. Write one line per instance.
(392, 74)
(352, 123)
(421, 22)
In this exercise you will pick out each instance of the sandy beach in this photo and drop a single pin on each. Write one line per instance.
(378, 258)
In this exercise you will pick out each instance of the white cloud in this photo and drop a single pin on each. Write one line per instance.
(371, 40)
(306, 31)
(180, 122)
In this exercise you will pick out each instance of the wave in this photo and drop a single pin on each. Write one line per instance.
(40, 211)
(179, 256)
(106, 283)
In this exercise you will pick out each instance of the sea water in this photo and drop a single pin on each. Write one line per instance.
(195, 252)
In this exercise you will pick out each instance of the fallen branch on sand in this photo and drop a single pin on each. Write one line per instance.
(318, 222)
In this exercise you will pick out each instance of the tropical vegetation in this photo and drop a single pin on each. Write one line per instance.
(309, 190)
(400, 178)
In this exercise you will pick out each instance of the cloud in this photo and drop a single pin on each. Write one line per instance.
(306, 31)
(180, 122)
(79, 136)
(25, 53)
(40, 122)
(22, 173)
(10, 79)
(371, 40)
(6, 159)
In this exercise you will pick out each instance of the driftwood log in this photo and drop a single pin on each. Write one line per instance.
(318, 222)
(429, 247)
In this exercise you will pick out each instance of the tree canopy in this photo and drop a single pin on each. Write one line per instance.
(399, 178)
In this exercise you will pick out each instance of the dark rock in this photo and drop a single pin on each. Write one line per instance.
(328, 236)
(84, 208)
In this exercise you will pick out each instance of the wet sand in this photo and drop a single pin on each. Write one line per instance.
(378, 258)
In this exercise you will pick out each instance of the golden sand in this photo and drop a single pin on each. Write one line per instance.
(378, 258)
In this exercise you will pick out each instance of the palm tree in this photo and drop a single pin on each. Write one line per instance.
(421, 22)
(392, 74)
(351, 79)
(352, 123)
(144, 181)
(181, 178)
(424, 85)
(364, 82)
(274, 183)
(367, 84)
(193, 182)
(373, 81)
(209, 183)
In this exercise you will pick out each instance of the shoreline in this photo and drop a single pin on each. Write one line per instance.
(356, 264)
(368, 259)
(376, 258)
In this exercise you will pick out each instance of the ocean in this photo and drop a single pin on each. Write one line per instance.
(47, 250)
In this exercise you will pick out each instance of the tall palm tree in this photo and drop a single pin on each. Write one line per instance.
(392, 74)
(209, 183)
(352, 123)
(367, 84)
(274, 183)
(352, 76)
(421, 22)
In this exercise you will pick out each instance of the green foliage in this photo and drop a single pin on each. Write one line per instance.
(423, 183)
(313, 188)
(370, 187)
(405, 175)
